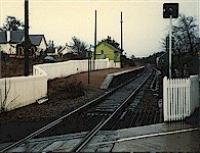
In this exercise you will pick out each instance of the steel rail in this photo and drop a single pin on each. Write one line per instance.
(59, 120)
(99, 126)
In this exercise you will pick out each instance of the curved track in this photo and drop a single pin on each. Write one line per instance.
(115, 106)
(94, 115)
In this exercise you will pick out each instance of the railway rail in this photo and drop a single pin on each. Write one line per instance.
(105, 110)
(117, 109)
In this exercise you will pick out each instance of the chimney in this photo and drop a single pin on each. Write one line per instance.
(8, 35)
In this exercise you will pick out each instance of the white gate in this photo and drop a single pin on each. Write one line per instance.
(180, 97)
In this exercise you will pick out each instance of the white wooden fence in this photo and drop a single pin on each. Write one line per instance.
(16, 92)
(180, 97)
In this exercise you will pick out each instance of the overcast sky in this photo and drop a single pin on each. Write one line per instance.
(59, 20)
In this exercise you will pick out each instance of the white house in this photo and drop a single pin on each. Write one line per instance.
(11, 43)
(65, 50)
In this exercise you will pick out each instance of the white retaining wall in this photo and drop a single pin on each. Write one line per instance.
(64, 69)
(180, 97)
(23, 91)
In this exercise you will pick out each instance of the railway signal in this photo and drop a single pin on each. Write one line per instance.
(170, 10)
(167, 44)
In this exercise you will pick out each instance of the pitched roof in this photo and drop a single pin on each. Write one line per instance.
(109, 45)
(36, 39)
(2, 37)
(65, 50)
(18, 37)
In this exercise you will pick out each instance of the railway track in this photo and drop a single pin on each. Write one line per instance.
(140, 112)
(116, 107)
(105, 110)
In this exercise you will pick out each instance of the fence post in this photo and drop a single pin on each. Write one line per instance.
(165, 104)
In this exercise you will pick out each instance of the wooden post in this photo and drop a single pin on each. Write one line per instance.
(26, 41)
(95, 34)
(121, 38)
(121, 33)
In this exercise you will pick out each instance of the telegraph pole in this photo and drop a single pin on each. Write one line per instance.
(198, 17)
(95, 38)
(89, 65)
(95, 34)
(198, 13)
(26, 41)
(121, 33)
(121, 39)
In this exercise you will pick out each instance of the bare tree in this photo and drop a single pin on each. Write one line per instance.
(185, 33)
(184, 44)
(79, 46)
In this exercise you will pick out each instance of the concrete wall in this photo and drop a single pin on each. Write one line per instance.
(114, 79)
(22, 91)
(64, 69)
(180, 97)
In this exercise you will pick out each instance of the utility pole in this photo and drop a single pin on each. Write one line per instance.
(95, 38)
(198, 13)
(95, 34)
(26, 41)
(121, 33)
(1, 4)
(121, 38)
(0, 61)
(89, 64)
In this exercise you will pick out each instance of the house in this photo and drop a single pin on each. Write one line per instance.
(106, 50)
(11, 42)
(65, 50)
(51, 51)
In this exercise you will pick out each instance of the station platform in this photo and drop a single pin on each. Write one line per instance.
(176, 136)
(159, 137)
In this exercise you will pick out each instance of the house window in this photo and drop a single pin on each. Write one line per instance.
(102, 52)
